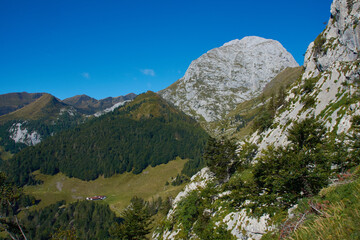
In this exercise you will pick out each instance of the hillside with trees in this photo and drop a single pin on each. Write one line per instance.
(147, 131)
(34, 122)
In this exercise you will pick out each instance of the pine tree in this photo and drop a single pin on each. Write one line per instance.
(280, 100)
(300, 169)
(307, 133)
(220, 156)
(9, 195)
(137, 220)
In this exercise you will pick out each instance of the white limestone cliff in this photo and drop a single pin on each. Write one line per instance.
(21, 135)
(335, 65)
(225, 76)
(339, 42)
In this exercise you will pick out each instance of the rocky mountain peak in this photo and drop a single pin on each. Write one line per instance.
(248, 41)
(223, 77)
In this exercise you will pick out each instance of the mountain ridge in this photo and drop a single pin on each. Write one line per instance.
(89, 105)
(12, 101)
(44, 105)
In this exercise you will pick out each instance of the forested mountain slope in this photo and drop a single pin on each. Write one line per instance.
(32, 117)
(147, 131)
(36, 121)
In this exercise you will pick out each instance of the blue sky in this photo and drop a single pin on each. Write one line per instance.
(107, 48)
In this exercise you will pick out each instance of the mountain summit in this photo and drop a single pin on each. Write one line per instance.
(225, 76)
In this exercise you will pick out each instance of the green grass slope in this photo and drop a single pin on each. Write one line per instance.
(119, 189)
(332, 214)
(47, 106)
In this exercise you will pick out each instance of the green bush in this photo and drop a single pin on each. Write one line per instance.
(309, 85)
(319, 44)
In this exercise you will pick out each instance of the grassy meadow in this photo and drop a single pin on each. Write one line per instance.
(118, 189)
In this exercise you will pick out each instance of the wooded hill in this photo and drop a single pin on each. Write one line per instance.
(147, 131)
(46, 116)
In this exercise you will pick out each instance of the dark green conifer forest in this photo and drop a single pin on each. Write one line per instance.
(146, 132)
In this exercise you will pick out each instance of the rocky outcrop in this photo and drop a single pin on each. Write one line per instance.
(332, 63)
(223, 77)
(243, 226)
(339, 42)
(21, 135)
(197, 182)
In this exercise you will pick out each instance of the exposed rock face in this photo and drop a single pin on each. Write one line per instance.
(251, 227)
(340, 41)
(333, 86)
(111, 109)
(197, 182)
(333, 58)
(22, 135)
(225, 76)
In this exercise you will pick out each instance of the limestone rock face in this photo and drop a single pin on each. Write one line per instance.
(340, 41)
(225, 76)
(333, 60)
(21, 135)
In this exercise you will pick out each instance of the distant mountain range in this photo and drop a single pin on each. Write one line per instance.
(45, 106)
(88, 105)
(29, 118)
(11, 102)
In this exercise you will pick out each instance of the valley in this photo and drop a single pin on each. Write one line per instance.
(118, 189)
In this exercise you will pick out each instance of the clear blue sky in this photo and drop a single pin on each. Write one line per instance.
(113, 47)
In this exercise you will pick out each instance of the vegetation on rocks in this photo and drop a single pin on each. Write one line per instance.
(271, 182)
